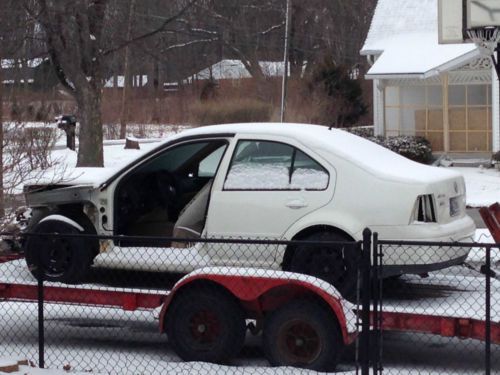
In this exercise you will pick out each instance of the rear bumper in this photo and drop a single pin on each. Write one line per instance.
(429, 255)
(395, 270)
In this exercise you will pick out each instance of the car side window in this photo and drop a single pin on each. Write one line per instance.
(266, 165)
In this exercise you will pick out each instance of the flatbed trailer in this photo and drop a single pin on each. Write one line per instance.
(232, 296)
(395, 316)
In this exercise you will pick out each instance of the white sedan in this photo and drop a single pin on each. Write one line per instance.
(272, 181)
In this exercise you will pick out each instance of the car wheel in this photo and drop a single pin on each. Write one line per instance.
(336, 263)
(63, 259)
(302, 334)
(205, 325)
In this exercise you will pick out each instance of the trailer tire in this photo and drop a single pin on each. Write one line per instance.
(205, 324)
(62, 259)
(303, 334)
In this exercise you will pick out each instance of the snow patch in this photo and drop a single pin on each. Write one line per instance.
(64, 219)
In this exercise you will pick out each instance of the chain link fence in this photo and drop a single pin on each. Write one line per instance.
(165, 305)
(170, 305)
(442, 322)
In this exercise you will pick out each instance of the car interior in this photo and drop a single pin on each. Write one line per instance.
(168, 195)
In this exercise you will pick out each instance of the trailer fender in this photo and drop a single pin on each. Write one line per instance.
(259, 291)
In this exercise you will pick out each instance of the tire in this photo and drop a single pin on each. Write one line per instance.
(303, 334)
(336, 264)
(63, 259)
(206, 325)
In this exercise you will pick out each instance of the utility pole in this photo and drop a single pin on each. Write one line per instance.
(285, 60)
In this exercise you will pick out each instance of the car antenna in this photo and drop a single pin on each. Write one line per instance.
(331, 126)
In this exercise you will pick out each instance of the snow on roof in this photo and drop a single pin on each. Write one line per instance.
(404, 33)
(395, 17)
(30, 63)
(420, 54)
(235, 69)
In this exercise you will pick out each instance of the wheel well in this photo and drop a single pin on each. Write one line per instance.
(290, 250)
(72, 211)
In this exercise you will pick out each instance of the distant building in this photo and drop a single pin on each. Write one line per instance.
(442, 92)
(235, 69)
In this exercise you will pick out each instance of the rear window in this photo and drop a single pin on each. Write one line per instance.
(265, 165)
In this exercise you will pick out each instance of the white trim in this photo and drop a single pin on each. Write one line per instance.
(495, 113)
(395, 76)
(450, 65)
(455, 63)
(378, 107)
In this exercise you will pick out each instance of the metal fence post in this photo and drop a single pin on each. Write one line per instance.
(487, 330)
(376, 306)
(41, 330)
(365, 303)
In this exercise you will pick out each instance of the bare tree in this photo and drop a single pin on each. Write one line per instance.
(74, 33)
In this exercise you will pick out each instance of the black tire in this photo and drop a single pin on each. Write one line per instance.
(62, 259)
(303, 334)
(336, 264)
(206, 325)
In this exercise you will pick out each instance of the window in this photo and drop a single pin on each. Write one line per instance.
(264, 165)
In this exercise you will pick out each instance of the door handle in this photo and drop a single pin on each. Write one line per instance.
(296, 203)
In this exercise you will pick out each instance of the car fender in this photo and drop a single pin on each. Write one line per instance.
(254, 290)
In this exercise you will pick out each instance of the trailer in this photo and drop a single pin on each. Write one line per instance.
(304, 321)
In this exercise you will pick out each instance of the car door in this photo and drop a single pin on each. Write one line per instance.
(264, 185)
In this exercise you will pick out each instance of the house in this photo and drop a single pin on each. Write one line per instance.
(446, 93)
(235, 69)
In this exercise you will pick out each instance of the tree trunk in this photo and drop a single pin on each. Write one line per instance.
(90, 150)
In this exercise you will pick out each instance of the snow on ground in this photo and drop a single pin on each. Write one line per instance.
(483, 185)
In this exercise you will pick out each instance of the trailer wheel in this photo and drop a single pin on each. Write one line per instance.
(334, 263)
(206, 325)
(302, 334)
(63, 259)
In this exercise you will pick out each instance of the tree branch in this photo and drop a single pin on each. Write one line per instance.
(153, 32)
